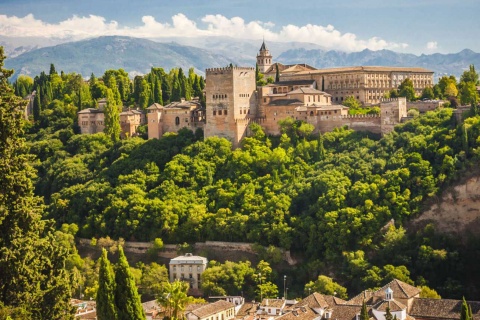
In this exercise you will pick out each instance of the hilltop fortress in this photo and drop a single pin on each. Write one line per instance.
(233, 100)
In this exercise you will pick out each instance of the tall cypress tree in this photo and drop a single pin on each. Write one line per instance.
(277, 73)
(364, 312)
(127, 299)
(106, 290)
(37, 106)
(465, 312)
(112, 117)
(32, 263)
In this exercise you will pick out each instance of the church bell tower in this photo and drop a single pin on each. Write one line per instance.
(264, 58)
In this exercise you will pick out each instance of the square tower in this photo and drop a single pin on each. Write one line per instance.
(231, 101)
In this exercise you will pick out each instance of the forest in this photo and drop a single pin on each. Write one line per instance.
(340, 200)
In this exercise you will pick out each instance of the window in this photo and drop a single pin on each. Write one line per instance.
(225, 113)
(177, 122)
(219, 112)
(198, 268)
(214, 112)
(181, 268)
(174, 268)
(190, 269)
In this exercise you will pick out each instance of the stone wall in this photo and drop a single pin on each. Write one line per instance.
(360, 122)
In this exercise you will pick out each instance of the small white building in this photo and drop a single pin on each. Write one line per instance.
(188, 268)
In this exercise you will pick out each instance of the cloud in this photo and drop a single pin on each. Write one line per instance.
(432, 45)
(78, 28)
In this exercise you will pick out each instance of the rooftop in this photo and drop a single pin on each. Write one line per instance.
(212, 308)
(366, 69)
(188, 258)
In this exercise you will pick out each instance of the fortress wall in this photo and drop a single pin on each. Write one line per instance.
(370, 123)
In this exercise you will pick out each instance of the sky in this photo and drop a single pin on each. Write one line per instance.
(408, 26)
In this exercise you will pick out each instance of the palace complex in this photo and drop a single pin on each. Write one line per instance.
(233, 101)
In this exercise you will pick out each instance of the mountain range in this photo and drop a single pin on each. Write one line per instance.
(137, 56)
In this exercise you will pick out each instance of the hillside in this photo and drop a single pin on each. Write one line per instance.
(134, 55)
(456, 211)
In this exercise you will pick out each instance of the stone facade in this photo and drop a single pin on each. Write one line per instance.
(175, 116)
(231, 102)
(130, 120)
(424, 106)
(91, 121)
(367, 84)
(264, 59)
(188, 268)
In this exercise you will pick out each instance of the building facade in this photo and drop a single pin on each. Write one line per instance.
(175, 116)
(91, 121)
(368, 84)
(231, 102)
(188, 268)
(130, 120)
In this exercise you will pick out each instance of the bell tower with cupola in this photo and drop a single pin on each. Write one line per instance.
(264, 58)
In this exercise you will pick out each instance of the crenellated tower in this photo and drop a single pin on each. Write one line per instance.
(230, 102)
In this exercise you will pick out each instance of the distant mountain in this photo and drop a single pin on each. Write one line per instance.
(134, 55)
(441, 64)
(137, 56)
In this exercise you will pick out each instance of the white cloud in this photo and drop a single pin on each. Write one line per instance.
(210, 25)
(432, 45)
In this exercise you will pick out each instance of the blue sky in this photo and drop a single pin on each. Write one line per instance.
(421, 26)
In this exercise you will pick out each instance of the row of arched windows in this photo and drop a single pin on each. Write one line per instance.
(219, 96)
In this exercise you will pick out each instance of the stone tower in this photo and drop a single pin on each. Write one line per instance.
(264, 58)
(391, 113)
(231, 102)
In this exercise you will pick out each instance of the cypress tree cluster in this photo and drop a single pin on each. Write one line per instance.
(117, 296)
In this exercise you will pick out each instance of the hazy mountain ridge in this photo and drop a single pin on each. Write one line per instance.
(137, 56)
(134, 55)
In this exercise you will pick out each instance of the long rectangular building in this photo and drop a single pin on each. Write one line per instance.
(368, 84)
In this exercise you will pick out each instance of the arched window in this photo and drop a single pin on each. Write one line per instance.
(311, 113)
(177, 121)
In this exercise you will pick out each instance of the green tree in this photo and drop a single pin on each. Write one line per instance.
(106, 309)
(326, 285)
(277, 73)
(406, 89)
(32, 264)
(127, 299)
(351, 102)
(174, 298)
(364, 312)
(37, 106)
(428, 93)
(427, 292)
(465, 313)
(388, 314)
(112, 117)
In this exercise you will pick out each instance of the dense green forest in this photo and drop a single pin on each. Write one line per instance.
(325, 197)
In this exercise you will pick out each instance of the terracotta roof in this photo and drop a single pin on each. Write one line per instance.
(441, 308)
(247, 308)
(332, 301)
(183, 104)
(285, 102)
(307, 90)
(212, 308)
(299, 313)
(293, 83)
(155, 106)
(400, 289)
(315, 301)
(285, 67)
(345, 312)
(359, 298)
(392, 304)
(89, 110)
(273, 303)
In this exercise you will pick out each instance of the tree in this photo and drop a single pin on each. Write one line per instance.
(351, 102)
(326, 285)
(364, 312)
(37, 108)
(465, 313)
(112, 118)
(427, 94)
(127, 299)
(174, 297)
(277, 73)
(406, 89)
(451, 90)
(388, 314)
(32, 264)
(106, 309)
(427, 292)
